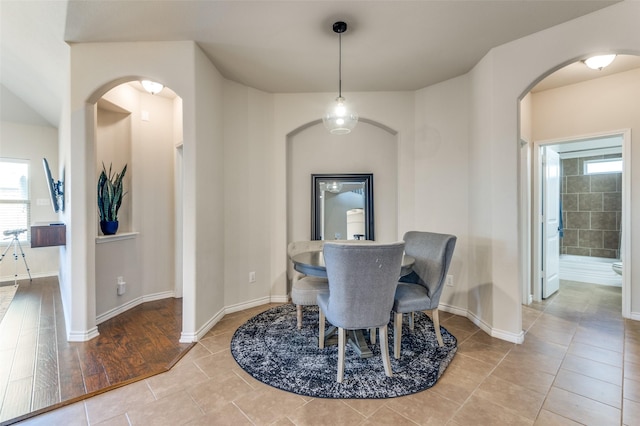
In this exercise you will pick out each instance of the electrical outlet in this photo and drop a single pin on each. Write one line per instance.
(252, 277)
(121, 286)
(449, 280)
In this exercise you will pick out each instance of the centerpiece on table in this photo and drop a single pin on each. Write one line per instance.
(110, 195)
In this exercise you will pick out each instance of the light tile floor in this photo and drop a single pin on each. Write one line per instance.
(579, 364)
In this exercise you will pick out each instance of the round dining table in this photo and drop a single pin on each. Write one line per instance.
(312, 263)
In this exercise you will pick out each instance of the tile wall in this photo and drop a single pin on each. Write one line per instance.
(591, 210)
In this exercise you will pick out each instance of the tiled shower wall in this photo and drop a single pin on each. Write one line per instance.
(591, 210)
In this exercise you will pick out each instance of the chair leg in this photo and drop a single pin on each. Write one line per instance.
(384, 349)
(320, 329)
(372, 335)
(299, 315)
(397, 335)
(342, 338)
(411, 321)
(436, 324)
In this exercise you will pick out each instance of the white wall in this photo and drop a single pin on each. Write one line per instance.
(204, 172)
(32, 143)
(441, 175)
(113, 151)
(15, 110)
(526, 200)
(247, 195)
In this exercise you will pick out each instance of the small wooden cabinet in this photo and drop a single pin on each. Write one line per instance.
(47, 235)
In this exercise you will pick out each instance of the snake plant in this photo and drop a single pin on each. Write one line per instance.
(110, 194)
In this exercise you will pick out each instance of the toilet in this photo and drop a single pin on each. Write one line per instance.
(617, 267)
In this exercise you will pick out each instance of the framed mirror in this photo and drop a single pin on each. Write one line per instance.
(342, 206)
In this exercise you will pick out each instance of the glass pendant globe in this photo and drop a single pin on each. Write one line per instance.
(338, 119)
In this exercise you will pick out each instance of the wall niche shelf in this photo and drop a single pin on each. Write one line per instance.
(102, 239)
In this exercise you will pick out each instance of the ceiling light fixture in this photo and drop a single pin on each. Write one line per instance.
(151, 86)
(599, 62)
(338, 119)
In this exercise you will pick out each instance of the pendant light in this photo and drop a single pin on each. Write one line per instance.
(338, 119)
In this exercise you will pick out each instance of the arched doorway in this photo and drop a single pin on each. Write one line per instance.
(140, 130)
(565, 105)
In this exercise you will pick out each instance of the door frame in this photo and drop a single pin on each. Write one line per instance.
(536, 235)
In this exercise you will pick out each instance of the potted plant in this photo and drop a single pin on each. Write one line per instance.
(110, 194)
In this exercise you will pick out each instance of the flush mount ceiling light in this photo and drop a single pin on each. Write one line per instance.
(599, 62)
(338, 119)
(151, 86)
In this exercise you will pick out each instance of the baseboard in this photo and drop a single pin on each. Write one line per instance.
(452, 309)
(517, 338)
(158, 296)
(279, 299)
(82, 336)
(635, 316)
(246, 305)
(132, 304)
(202, 331)
(493, 332)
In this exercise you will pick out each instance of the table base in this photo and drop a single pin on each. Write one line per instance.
(355, 339)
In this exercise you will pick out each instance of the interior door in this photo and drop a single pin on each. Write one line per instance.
(550, 222)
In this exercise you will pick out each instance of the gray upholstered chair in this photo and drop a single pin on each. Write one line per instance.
(421, 290)
(362, 283)
(304, 288)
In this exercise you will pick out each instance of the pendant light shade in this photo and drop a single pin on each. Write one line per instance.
(339, 118)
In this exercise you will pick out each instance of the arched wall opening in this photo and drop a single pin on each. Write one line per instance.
(370, 148)
(143, 131)
(605, 105)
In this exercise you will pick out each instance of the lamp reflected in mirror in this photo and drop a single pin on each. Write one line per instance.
(342, 207)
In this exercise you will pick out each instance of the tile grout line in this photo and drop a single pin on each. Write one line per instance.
(560, 367)
(555, 376)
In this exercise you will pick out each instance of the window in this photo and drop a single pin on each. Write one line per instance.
(15, 205)
(609, 165)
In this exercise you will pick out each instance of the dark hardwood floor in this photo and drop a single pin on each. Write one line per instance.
(40, 370)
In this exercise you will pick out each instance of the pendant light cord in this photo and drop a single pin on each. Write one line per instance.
(340, 65)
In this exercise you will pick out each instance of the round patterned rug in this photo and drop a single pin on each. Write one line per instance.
(271, 349)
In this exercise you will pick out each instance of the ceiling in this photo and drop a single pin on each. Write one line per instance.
(278, 46)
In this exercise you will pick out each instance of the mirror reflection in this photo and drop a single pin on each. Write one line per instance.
(342, 206)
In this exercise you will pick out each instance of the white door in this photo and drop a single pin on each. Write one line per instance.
(550, 222)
